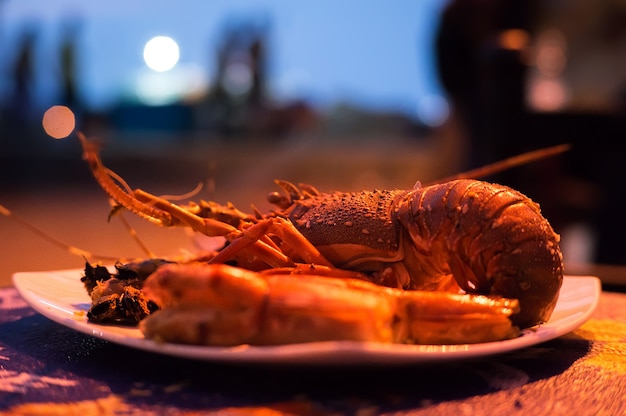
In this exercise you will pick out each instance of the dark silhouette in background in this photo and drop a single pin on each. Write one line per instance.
(483, 61)
(484, 79)
(238, 105)
(21, 100)
(487, 82)
(18, 104)
(69, 94)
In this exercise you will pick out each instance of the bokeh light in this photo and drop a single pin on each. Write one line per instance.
(58, 121)
(548, 94)
(514, 39)
(161, 53)
(433, 110)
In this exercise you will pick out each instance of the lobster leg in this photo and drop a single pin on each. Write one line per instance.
(249, 238)
(283, 229)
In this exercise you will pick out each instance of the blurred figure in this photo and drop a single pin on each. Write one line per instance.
(238, 105)
(18, 111)
(483, 56)
(482, 48)
(480, 56)
(67, 60)
(238, 83)
(258, 64)
(483, 60)
(22, 100)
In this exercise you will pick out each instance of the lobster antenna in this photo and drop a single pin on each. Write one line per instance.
(195, 191)
(132, 232)
(70, 248)
(509, 163)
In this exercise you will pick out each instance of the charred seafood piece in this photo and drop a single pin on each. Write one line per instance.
(116, 298)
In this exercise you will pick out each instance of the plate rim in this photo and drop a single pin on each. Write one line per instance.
(328, 352)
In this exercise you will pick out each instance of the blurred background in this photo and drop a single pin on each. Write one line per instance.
(233, 94)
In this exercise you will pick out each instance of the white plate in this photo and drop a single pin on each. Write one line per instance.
(60, 296)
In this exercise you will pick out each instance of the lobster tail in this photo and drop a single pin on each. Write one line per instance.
(495, 240)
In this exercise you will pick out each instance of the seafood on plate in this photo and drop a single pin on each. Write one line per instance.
(460, 235)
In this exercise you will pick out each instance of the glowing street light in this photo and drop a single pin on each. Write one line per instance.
(161, 53)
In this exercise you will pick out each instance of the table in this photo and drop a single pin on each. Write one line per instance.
(46, 368)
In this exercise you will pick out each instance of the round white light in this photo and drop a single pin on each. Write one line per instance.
(161, 53)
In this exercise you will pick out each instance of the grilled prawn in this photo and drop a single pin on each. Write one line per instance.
(223, 305)
(480, 237)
